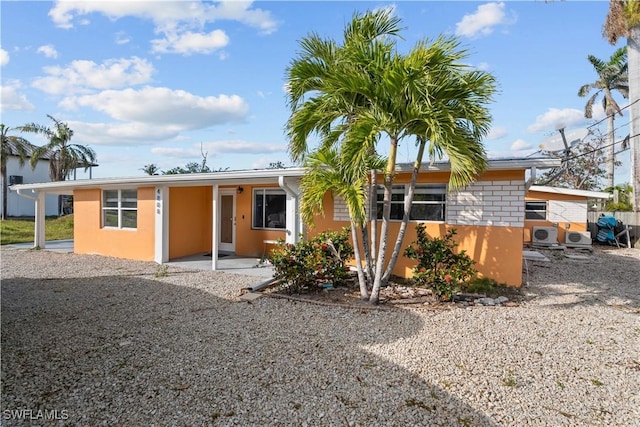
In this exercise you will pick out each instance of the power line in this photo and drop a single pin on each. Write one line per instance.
(599, 148)
(622, 109)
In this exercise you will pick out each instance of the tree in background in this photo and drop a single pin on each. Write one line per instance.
(150, 169)
(352, 95)
(583, 170)
(10, 145)
(194, 167)
(612, 75)
(64, 157)
(621, 200)
(623, 20)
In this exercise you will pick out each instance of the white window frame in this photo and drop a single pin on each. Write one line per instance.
(403, 189)
(264, 192)
(544, 211)
(119, 209)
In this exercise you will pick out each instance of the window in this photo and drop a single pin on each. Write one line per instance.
(120, 208)
(269, 208)
(535, 210)
(429, 202)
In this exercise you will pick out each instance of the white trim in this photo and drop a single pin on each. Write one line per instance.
(570, 192)
(253, 176)
(161, 234)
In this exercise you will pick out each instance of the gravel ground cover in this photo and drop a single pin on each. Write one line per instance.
(91, 341)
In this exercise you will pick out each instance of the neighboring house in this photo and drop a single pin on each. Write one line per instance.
(19, 206)
(165, 217)
(562, 208)
(23, 207)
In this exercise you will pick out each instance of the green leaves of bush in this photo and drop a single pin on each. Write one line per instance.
(439, 266)
(311, 263)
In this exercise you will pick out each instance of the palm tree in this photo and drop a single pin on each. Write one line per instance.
(363, 90)
(612, 75)
(63, 156)
(150, 169)
(10, 145)
(623, 20)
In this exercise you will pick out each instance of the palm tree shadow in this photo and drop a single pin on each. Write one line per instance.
(133, 351)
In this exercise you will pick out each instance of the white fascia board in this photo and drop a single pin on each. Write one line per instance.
(242, 177)
(570, 192)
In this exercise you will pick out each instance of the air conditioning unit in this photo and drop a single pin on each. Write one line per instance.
(544, 236)
(15, 179)
(577, 239)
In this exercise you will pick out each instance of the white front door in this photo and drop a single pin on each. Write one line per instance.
(227, 222)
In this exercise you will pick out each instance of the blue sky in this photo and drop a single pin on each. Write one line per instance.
(152, 82)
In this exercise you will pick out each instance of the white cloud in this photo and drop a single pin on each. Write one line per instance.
(188, 42)
(240, 146)
(521, 145)
(82, 75)
(164, 107)
(48, 50)
(122, 38)
(178, 21)
(497, 132)
(483, 21)
(175, 152)
(4, 57)
(122, 134)
(12, 99)
(555, 117)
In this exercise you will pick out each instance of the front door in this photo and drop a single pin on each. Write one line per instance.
(227, 217)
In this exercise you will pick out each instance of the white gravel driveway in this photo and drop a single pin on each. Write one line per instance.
(90, 341)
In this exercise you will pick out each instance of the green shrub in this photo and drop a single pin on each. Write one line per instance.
(311, 263)
(439, 266)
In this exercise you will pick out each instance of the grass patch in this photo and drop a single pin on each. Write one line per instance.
(21, 230)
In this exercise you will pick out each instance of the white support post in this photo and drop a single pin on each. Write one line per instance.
(39, 233)
(214, 228)
(161, 234)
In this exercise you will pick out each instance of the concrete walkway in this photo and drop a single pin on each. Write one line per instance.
(227, 262)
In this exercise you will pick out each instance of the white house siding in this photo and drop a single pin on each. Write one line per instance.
(21, 206)
(567, 211)
(494, 203)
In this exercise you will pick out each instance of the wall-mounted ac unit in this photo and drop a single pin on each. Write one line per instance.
(577, 239)
(544, 236)
(15, 179)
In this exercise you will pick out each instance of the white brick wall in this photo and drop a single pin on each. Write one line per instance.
(340, 210)
(567, 211)
(496, 203)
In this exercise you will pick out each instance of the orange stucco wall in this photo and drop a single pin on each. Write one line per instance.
(91, 238)
(190, 222)
(249, 241)
(561, 226)
(497, 251)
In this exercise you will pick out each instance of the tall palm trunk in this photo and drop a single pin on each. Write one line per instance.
(386, 214)
(407, 211)
(364, 293)
(611, 152)
(633, 52)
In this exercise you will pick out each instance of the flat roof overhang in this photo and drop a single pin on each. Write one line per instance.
(252, 176)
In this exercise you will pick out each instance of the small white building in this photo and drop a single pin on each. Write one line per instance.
(16, 174)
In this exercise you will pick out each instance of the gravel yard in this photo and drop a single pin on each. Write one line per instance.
(96, 341)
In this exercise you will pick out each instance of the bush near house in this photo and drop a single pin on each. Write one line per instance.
(21, 230)
(439, 266)
(311, 263)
